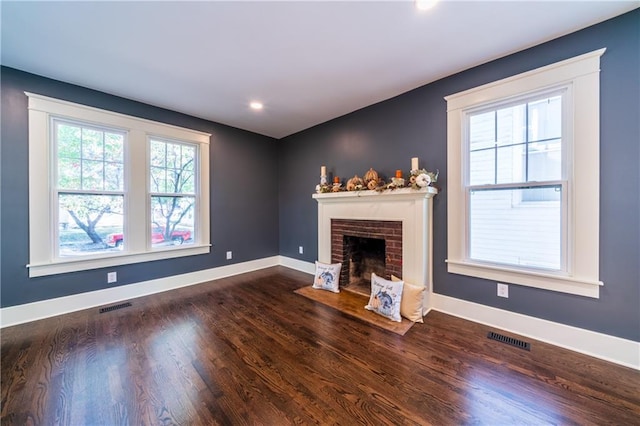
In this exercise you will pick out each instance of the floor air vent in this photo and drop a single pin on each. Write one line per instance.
(114, 307)
(509, 341)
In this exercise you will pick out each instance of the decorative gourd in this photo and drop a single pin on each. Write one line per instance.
(371, 176)
(355, 183)
(373, 184)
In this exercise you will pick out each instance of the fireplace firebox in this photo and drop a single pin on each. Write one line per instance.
(365, 256)
(363, 247)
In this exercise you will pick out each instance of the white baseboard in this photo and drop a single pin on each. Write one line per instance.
(609, 348)
(19, 314)
(298, 265)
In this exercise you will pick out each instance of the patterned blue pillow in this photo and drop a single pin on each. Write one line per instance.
(327, 276)
(385, 298)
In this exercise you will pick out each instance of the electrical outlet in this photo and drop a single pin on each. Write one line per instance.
(503, 290)
(300, 250)
(112, 277)
(229, 255)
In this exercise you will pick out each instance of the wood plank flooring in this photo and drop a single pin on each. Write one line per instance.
(247, 350)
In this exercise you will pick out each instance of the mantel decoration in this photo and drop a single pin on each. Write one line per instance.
(371, 180)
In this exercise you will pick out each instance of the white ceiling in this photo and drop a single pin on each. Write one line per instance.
(308, 62)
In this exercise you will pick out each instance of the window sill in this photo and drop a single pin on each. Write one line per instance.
(546, 281)
(83, 264)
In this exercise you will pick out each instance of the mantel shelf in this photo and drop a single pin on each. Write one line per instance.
(402, 193)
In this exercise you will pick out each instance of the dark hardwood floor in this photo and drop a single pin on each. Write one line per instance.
(247, 350)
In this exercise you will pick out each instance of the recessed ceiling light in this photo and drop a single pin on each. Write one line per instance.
(256, 105)
(425, 4)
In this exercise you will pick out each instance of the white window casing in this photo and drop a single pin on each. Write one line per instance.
(580, 275)
(43, 219)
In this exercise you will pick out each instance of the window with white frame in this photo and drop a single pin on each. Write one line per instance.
(523, 190)
(89, 187)
(515, 182)
(173, 191)
(112, 189)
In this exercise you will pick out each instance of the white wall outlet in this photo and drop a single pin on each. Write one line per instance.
(112, 277)
(300, 250)
(229, 255)
(503, 290)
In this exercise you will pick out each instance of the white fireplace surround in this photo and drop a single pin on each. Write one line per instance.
(411, 207)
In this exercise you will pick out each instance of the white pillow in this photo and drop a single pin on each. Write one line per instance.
(385, 297)
(412, 297)
(327, 276)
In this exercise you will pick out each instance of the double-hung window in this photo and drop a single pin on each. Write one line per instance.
(515, 186)
(523, 167)
(107, 189)
(88, 187)
(172, 197)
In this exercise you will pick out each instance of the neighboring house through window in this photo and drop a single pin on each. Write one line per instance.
(523, 167)
(112, 189)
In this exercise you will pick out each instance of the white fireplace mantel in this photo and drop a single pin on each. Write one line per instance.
(412, 207)
(395, 194)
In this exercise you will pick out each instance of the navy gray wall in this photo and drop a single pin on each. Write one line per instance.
(386, 135)
(244, 194)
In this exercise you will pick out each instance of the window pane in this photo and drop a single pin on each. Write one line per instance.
(173, 167)
(180, 181)
(511, 125)
(113, 177)
(545, 160)
(172, 220)
(92, 144)
(174, 157)
(158, 179)
(69, 173)
(68, 140)
(113, 147)
(511, 164)
(92, 175)
(482, 167)
(188, 157)
(189, 183)
(158, 153)
(89, 224)
(545, 119)
(505, 229)
(482, 131)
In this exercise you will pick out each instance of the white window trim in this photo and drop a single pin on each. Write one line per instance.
(582, 74)
(42, 220)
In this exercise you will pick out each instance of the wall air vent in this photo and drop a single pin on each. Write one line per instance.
(509, 341)
(114, 307)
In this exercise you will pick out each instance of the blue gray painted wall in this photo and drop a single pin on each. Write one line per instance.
(386, 135)
(237, 160)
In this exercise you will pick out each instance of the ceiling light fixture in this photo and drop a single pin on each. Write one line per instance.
(256, 105)
(425, 4)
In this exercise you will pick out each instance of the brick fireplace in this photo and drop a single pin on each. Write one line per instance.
(387, 231)
(401, 217)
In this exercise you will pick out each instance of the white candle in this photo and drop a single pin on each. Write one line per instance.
(323, 171)
(414, 163)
